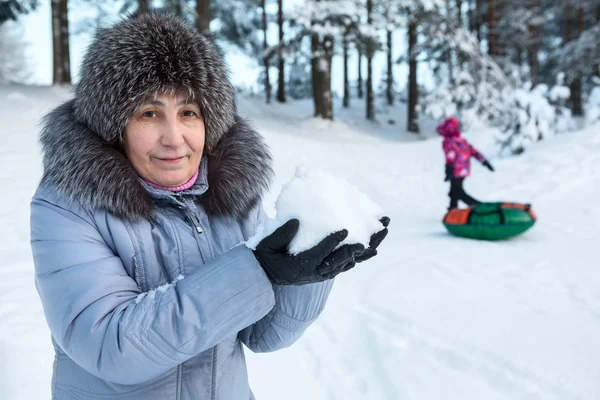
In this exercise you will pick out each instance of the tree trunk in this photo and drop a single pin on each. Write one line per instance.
(143, 5)
(60, 43)
(577, 85)
(359, 82)
(448, 53)
(533, 48)
(314, 63)
(203, 15)
(471, 16)
(322, 53)
(413, 88)
(370, 111)
(390, 72)
(478, 18)
(597, 70)
(177, 8)
(346, 102)
(281, 80)
(574, 25)
(493, 46)
(459, 13)
(327, 102)
(265, 46)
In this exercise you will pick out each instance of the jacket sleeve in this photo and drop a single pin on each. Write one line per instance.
(475, 153)
(103, 322)
(296, 308)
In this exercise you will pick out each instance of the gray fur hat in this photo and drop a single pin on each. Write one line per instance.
(145, 55)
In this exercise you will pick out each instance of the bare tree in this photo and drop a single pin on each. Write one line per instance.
(60, 43)
(13, 60)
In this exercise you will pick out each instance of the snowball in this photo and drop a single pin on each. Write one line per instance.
(323, 204)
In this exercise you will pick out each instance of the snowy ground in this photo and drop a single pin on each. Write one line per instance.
(432, 317)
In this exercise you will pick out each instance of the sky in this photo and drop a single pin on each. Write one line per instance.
(37, 35)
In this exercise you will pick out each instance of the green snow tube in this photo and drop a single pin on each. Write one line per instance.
(490, 221)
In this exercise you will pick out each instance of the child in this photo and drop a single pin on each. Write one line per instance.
(458, 161)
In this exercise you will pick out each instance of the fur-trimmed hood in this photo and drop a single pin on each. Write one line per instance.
(85, 168)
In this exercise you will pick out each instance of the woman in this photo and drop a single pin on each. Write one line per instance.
(458, 153)
(152, 182)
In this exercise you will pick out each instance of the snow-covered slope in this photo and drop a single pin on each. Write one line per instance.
(431, 317)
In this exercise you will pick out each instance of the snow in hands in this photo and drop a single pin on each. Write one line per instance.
(323, 204)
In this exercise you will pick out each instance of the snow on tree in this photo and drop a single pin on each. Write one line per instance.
(323, 22)
(592, 115)
(529, 120)
(473, 87)
(11, 9)
(558, 96)
(13, 60)
(581, 53)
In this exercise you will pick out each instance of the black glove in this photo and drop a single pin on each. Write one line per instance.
(375, 241)
(448, 172)
(487, 164)
(313, 265)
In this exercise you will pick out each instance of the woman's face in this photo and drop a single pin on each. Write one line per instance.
(164, 140)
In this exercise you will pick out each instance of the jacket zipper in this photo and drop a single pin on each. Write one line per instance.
(194, 220)
(213, 385)
(179, 382)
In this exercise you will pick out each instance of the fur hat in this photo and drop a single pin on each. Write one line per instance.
(145, 55)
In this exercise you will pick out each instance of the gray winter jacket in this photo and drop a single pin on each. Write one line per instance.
(153, 307)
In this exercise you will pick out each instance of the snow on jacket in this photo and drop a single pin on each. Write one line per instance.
(156, 305)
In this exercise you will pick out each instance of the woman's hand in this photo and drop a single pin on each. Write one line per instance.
(317, 264)
(375, 241)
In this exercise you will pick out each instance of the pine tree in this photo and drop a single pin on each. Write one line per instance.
(11, 9)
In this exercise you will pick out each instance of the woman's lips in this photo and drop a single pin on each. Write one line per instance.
(171, 160)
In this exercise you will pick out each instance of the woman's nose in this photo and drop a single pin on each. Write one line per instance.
(172, 134)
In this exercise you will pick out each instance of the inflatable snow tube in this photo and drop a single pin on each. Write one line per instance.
(490, 221)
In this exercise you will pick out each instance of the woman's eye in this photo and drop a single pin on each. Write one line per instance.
(149, 114)
(189, 113)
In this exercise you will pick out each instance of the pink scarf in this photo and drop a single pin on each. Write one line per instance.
(179, 188)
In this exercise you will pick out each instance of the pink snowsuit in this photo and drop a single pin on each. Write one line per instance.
(457, 150)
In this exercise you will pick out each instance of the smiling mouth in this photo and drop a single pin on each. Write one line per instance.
(171, 160)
